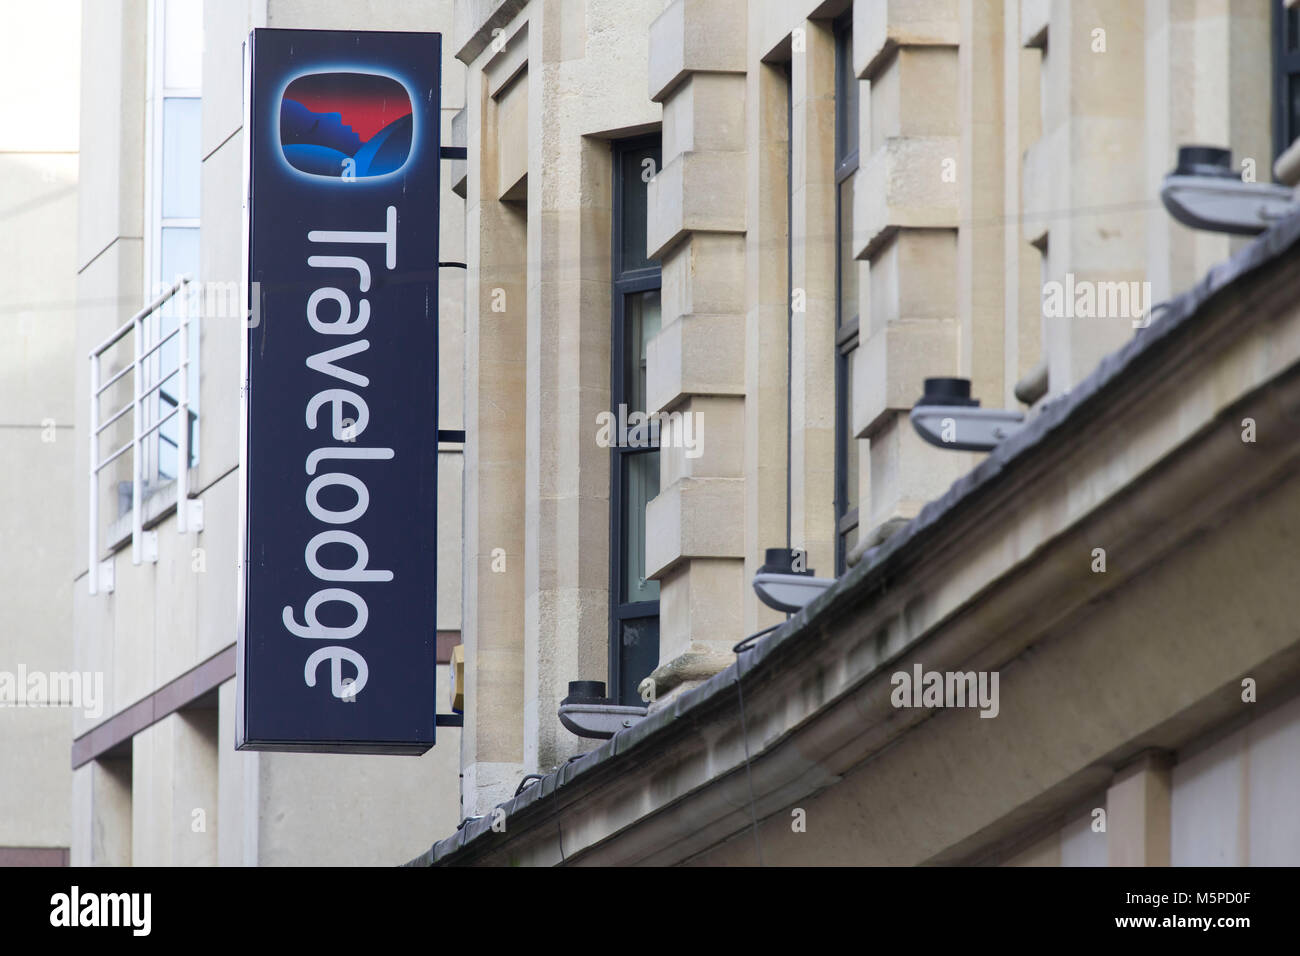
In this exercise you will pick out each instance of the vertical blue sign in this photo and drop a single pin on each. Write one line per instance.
(338, 634)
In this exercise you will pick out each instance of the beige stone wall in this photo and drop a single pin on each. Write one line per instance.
(1076, 842)
(812, 278)
(1000, 147)
(698, 213)
(1229, 796)
(1219, 801)
(495, 369)
(767, 332)
(907, 204)
(537, 227)
(1208, 80)
(38, 248)
(1084, 190)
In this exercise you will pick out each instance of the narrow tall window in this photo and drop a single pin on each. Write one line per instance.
(173, 164)
(634, 465)
(1286, 76)
(846, 293)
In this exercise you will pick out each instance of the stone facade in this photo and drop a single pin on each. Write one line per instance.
(1001, 148)
(809, 280)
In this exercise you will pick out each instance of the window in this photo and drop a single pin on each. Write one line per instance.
(634, 466)
(173, 163)
(142, 412)
(1286, 76)
(846, 293)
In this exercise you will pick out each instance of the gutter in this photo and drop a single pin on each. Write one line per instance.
(631, 750)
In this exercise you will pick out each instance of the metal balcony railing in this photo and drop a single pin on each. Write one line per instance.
(140, 431)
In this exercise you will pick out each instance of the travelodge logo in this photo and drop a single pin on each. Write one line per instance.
(345, 125)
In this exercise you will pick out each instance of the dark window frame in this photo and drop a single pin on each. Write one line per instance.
(1286, 72)
(624, 283)
(846, 327)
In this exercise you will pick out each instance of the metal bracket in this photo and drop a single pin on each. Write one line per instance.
(105, 583)
(192, 517)
(149, 546)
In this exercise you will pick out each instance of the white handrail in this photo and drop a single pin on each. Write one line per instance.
(148, 310)
(183, 426)
(139, 394)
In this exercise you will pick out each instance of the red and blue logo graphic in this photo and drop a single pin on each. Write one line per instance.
(346, 125)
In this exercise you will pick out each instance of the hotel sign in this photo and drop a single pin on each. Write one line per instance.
(338, 468)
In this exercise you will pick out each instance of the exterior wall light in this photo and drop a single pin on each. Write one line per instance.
(947, 417)
(784, 583)
(588, 713)
(1203, 192)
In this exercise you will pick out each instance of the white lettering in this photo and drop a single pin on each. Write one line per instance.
(358, 571)
(387, 236)
(314, 629)
(338, 397)
(341, 325)
(344, 262)
(323, 362)
(321, 513)
(320, 454)
(336, 655)
(349, 415)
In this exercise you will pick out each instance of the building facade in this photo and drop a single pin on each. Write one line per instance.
(771, 222)
(713, 249)
(38, 219)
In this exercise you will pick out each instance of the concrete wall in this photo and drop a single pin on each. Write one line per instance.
(38, 209)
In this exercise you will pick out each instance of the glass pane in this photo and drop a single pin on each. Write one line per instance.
(638, 166)
(642, 320)
(165, 400)
(846, 96)
(851, 443)
(183, 44)
(850, 539)
(640, 484)
(638, 655)
(1292, 108)
(181, 138)
(180, 256)
(848, 266)
(167, 438)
